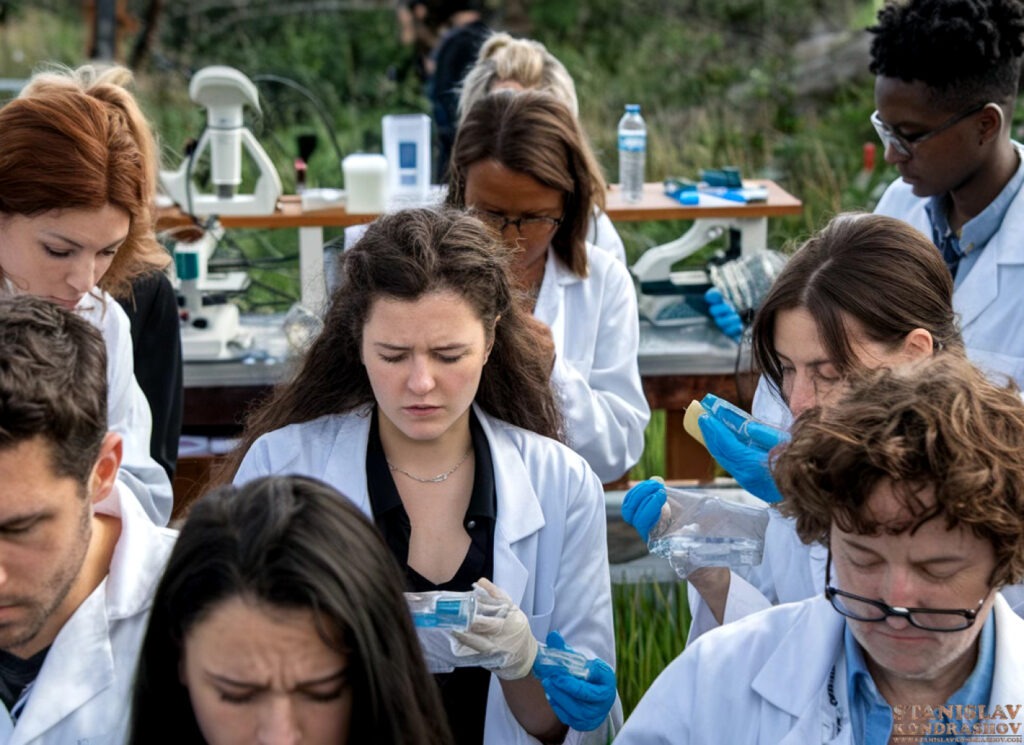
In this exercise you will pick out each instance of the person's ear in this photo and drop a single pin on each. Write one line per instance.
(918, 345)
(990, 122)
(104, 471)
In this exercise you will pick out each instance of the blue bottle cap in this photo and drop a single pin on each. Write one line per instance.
(632, 108)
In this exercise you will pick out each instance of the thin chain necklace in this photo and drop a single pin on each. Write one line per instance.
(436, 479)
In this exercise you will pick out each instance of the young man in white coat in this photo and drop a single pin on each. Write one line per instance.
(915, 483)
(79, 562)
(947, 75)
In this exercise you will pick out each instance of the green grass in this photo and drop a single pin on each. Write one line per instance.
(651, 623)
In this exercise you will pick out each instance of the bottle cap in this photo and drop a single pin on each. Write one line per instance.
(633, 108)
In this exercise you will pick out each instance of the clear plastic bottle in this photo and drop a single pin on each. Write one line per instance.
(632, 153)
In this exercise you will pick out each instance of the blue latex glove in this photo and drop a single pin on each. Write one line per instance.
(582, 704)
(748, 464)
(642, 506)
(723, 314)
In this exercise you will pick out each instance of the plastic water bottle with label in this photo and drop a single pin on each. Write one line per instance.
(632, 153)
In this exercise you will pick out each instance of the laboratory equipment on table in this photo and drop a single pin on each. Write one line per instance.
(407, 149)
(675, 298)
(223, 91)
(211, 328)
(209, 331)
(455, 611)
(698, 530)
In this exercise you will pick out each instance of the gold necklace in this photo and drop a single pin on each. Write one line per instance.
(436, 479)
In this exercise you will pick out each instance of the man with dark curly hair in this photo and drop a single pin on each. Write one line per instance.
(947, 78)
(914, 482)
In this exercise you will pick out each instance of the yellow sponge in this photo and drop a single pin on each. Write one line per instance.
(693, 412)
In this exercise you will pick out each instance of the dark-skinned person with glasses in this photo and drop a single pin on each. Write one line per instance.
(522, 165)
(947, 73)
(913, 481)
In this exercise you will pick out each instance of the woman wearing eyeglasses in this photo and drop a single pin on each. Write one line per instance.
(915, 483)
(947, 74)
(522, 165)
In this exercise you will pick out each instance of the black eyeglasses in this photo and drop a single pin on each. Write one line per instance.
(905, 144)
(873, 611)
(525, 226)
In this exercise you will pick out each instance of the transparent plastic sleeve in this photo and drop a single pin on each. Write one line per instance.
(442, 610)
(697, 530)
(572, 662)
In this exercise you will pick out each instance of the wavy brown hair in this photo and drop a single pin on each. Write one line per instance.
(404, 256)
(534, 133)
(77, 139)
(941, 425)
(875, 270)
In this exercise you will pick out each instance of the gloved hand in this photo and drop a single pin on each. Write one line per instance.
(748, 464)
(499, 626)
(642, 507)
(582, 704)
(723, 314)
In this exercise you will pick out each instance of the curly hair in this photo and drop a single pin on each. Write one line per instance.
(77, 139)
(404, 256)
(940, 427)
(966, 51)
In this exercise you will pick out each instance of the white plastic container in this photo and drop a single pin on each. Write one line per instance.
(407, 148)
(366, 183)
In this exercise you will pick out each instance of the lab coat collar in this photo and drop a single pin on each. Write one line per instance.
(80, 663)
(346, 461)
(519, 511)
(817, 653)
(981, 285)
(136, 564)
(550, 306)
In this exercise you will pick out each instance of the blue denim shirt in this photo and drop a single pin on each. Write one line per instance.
(871, 715)
(962, 251)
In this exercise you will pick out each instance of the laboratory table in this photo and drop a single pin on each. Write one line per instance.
(677, 364)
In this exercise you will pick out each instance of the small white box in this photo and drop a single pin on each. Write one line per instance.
(407, 148)
(365, 183)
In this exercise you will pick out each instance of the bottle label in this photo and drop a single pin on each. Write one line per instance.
(633, 142)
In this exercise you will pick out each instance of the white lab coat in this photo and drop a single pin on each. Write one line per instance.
(596, 330)
(550, 553)
(988, 298)
(765, 680)
(601, 232)
(128, 411)
(84, 689)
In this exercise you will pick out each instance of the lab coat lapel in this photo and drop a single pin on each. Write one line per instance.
(345, 463)
(550, 306)
(981, 285)
(519, 513)
(79, 666)
(1008, 675)
(796, 673)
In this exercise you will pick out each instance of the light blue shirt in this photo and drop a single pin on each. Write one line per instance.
(964, 249)
(871, 715)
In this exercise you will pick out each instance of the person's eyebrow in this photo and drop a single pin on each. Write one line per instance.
(76, 244)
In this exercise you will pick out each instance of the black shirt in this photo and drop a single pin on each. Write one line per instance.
(464, 690)
(16, 674)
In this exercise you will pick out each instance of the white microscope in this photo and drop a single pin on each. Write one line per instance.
(213, 331)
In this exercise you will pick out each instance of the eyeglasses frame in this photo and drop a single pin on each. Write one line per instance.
(904, 144)
(491, 218)
(970, 616)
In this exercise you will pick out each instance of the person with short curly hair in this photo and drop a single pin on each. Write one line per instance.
(914, 482)
(947, 76)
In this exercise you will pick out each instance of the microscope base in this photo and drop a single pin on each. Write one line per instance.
(213, 333)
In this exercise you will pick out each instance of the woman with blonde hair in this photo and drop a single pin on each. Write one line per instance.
(507, 63)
